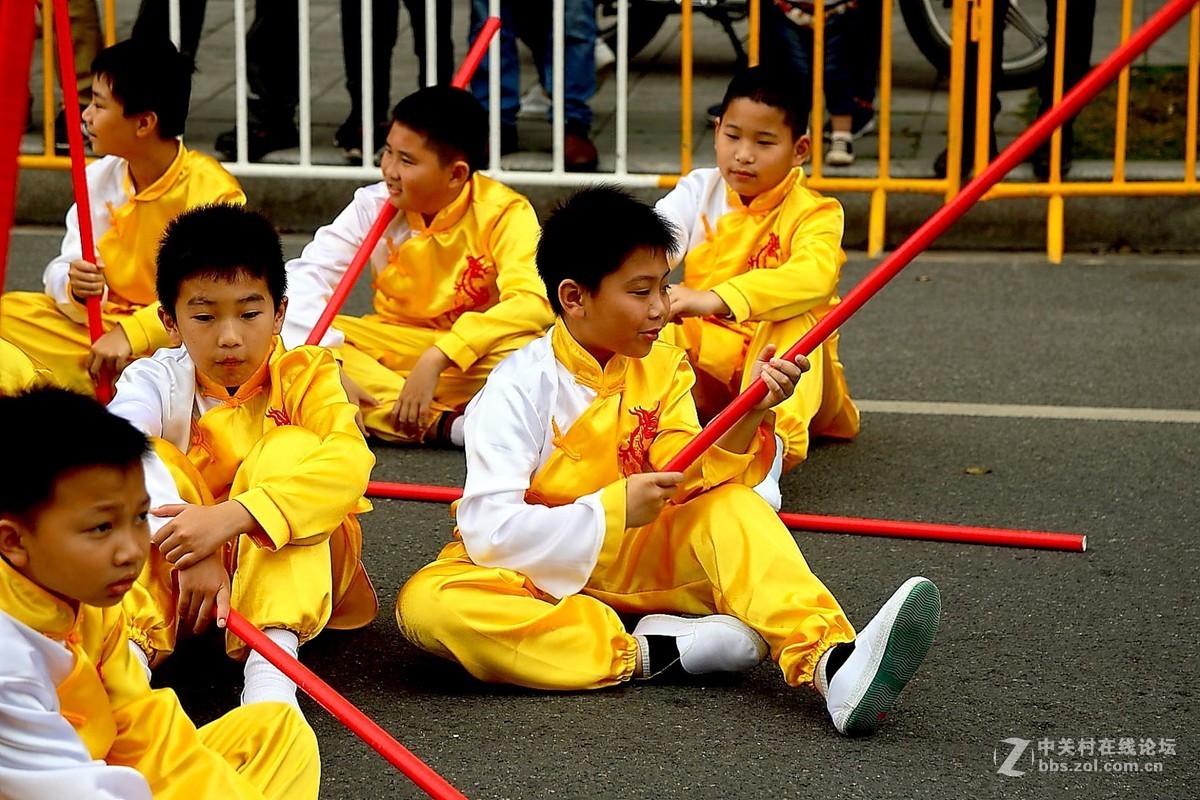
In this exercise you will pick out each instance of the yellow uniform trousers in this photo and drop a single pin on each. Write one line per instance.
(18, 372)
(820, 406)
(269, 745)
(723, 551)
(34, 323)
(379, 355)
(300, 587)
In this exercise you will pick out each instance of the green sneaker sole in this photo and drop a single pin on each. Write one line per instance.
(909, 641)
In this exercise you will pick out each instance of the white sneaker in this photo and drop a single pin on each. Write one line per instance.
(768, 489)
(886, 655)
(841, 151)
(605, 57)
(716, 643)
(535, 103)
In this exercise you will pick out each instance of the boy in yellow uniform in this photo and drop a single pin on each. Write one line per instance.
(763, 256)
(77, 715)
(566, 520)
(259, 467)
(455, 286)
(145, 178)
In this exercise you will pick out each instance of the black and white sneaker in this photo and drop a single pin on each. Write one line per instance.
(861, 691)
(716, 643)
(841, 151)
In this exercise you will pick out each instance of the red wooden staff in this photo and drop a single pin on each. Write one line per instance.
(388, 211)
(963, 534)
(16, 49)
(83, 208)
(1041, 130)
(417, 770)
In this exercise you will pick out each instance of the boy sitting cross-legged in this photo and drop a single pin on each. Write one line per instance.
(260, 467)
(455, 286)
(763, 254)
(566, 520)
(78, 718)
(146, 177)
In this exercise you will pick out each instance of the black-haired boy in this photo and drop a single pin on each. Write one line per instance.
(763, 255)
(455, 286)
(566, 520)
(78, 717)
(146, 177)
(260, 467)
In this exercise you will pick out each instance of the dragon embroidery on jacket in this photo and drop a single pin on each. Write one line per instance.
(474, 289)
(634, 456)
(770, 250)
(279, 416)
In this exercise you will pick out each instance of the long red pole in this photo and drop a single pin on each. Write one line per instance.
(964, 534)
(83, 207)
(388, 212)
(16, 49)
(1041, 130)
(363, 726)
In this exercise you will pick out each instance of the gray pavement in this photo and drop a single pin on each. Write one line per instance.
(1042, 646)
(918, 108)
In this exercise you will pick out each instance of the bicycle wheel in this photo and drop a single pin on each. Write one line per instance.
(645, 18)
(928, 23)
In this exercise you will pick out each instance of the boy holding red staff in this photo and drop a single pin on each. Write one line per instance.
(455, 286)
(259, 467)
(145, 178)
(78, 716)
(763, 256)
(565, 521)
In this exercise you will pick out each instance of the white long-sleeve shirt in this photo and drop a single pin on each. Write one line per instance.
(41, 755)
(697, 196)
(106, 186)
(556, 548)
(320, 267)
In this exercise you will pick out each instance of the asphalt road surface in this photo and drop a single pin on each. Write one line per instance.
(988, 383)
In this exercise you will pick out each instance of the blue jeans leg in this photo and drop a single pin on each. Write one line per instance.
(510, 67)
(579, 62)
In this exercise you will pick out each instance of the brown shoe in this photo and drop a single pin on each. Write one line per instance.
(579, 154)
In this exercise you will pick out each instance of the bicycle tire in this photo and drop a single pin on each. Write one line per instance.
(933, 40)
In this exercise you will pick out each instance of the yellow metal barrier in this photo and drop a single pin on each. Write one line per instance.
(969, 18)
(973, 18)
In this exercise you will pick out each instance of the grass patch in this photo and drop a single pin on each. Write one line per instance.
(1157, 117)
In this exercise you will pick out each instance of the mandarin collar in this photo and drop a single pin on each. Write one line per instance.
(160, 186)
(768, 200)
(583, 365)
(450, 214)
(252, 386)
(34, 606)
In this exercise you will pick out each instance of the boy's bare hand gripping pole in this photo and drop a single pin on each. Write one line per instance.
(1171, 12)
(83, 208)
(388, 212)
(417, 771)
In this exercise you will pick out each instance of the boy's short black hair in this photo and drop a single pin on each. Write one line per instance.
(452, 121)
(149, 74)
(220, 241)
(790, 93)
(592, 232)
(51, 432)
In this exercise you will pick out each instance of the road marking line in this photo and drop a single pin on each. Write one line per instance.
(1159, 415)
